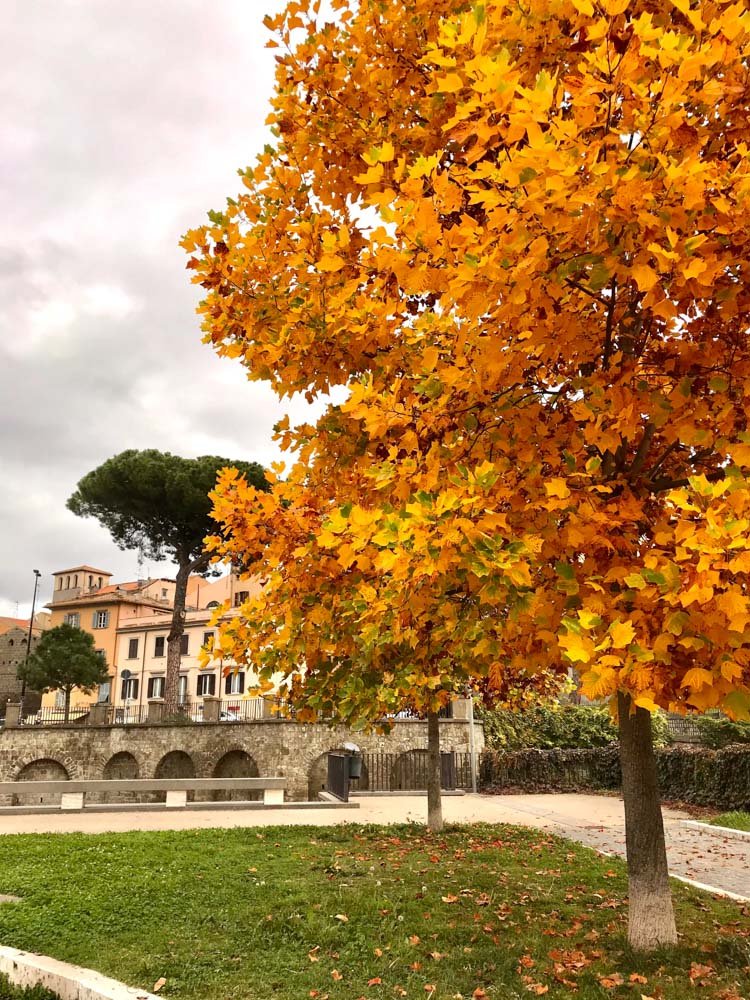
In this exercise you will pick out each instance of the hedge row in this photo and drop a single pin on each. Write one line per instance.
(716, 778)
(566, 727)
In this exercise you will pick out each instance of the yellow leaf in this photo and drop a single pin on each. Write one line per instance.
(622, 634)
(696, 678)
(577, 648)
(330, 262)
(645, 277)
(449, 83)
(371, 176)
(557, 488)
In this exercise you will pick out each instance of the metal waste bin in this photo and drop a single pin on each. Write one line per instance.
(355, 765)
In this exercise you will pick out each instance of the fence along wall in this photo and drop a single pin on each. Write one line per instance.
(269, 747)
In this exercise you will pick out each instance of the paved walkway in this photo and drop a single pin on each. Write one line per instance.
(595, 820)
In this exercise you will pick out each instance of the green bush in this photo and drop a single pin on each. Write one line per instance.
(562, 727)
(722, 732)
(716, 778)
(8, 992)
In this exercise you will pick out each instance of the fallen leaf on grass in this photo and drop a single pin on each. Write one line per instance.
(313, 953)
(700, 972)
(336, 975)
(635, 977)
(342, 917)
(450, 899)
(159, 983)
(375, 981)
(609, 982)
(538, 989)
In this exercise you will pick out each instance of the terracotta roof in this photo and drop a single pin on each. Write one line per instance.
(6, 624)
(113, 587)
(87, 569)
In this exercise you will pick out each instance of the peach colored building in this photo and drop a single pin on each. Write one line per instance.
(84, 597)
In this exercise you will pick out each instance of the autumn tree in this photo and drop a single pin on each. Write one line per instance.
(158, 503)
(64, 659)
(518, 236)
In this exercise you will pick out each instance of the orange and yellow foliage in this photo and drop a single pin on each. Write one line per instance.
(518, 236)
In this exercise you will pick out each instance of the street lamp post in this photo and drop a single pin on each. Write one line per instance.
(37, 575)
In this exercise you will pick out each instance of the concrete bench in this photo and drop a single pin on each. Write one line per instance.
(73, 793)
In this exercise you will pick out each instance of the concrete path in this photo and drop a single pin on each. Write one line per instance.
(595, 820)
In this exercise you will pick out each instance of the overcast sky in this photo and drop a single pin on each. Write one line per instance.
(122, 124)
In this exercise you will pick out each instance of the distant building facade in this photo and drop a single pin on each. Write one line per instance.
(14, 643)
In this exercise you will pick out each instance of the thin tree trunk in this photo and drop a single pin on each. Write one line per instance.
(434, 801)
(67, 704)
(174, 640)
(651, 917)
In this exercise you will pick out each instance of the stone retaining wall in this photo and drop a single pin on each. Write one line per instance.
(271, 747)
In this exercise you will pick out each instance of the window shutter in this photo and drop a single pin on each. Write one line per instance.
(212, 685)
(241, 677)
(93, 620)
(135, 689)
(124, 691)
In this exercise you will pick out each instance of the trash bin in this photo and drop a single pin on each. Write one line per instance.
(355, 765)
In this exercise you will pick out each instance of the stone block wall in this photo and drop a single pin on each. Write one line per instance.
(268, 747)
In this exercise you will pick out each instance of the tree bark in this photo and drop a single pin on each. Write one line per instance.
(434, 801)
(174, 639)
(651, 917)
(67, 704)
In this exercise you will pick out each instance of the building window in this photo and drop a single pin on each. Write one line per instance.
(100, 583)
(91, 581)
(206, 684)
(75, 580)
(156, 687)
(182, 689)
(130, 689)
(208, 639)
(73, 618)
(235, 683)
(212, 605)
(132, 649)
(67, 583)
(184, 644)
(59, 583)
(103, 691)
(159, 645)
(164, 593)
(240, 597)
(101, 619)
(59, 699)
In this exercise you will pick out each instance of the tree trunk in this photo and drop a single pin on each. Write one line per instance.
(434, 802)
(67, 704)
(174, 640)
(651, 917)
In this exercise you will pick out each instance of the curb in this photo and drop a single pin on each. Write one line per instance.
(716, 831)
(68, 982)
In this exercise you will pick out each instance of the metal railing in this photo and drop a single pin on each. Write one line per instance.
(53, 716)
(446, 712)
(394, 772)
(337, 782)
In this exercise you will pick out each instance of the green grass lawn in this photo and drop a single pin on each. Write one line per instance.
(735, 820)
(349, 912)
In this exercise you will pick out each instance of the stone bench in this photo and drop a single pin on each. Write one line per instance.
(73, 793)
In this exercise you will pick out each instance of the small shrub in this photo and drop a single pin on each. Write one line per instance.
(722, 732)
(733, 820)
(9, 992)
(561, 727)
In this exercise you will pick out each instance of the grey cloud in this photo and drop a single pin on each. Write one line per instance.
(122, 124)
